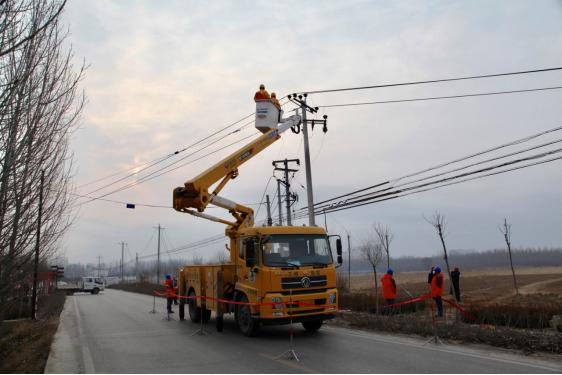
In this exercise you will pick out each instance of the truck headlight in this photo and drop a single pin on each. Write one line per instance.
(275, 299)
(332, 298)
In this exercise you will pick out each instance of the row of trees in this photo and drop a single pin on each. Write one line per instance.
(39, 106)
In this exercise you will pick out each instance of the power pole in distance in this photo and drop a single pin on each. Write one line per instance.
(160, 228)
(286, 171)
(99, 265)
(280, 211)
(122, 260)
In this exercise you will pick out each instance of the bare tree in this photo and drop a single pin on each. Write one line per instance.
(438, 222)
(39, 106)
(385, 237)
(372, 252)
(505, 229)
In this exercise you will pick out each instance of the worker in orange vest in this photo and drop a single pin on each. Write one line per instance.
(388, 288)
(275, 101)
(436, 291)
(169, 284)
(262, 94)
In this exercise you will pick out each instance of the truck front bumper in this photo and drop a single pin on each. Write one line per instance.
(299, 307)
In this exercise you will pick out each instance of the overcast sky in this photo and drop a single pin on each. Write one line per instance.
(165, 74)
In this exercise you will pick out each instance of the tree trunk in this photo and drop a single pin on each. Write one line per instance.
(376, 291)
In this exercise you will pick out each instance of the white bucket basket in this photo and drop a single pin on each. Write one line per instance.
(267, 115)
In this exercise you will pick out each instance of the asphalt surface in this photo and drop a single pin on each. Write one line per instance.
(114, 332)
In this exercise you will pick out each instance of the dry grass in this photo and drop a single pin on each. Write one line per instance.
(25, 345)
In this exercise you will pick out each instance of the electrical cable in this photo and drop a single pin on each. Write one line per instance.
(430, 81)
(441, 97)
(456, 169)
(470, 156)
(158, 160)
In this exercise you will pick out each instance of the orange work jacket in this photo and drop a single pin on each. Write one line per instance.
(388, 287)
(437, 285)
(261, 95)
(169, 288)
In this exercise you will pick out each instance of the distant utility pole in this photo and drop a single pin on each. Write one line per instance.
(286, 171)
(301, 101)
(349, 261)
(37, 247)
(268, 204)
(137, 267)
(158, 257)
(279, 210)
(99, 265)
(122, 260)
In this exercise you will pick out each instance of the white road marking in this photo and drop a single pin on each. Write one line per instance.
(86, 355)
(464, 352)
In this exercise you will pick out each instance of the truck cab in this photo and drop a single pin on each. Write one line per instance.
(92, 284)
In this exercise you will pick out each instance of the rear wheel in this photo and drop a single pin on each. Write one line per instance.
(182, 310)
(247, 324)
(194, 311)
(312, 326)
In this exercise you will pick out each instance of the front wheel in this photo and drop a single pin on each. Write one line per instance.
(312, 326)
(95, 291)
(182, 310)
(194, 311)
(247, 324)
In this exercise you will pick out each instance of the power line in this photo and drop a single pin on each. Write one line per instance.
(390, 194)
(153, 175)
(440, 97)
(467, 157)
(162, 158)
(430, 81)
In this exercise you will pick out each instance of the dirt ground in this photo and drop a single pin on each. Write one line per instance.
(25, 344)
(491, 284)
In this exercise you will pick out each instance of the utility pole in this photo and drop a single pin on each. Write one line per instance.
(122, 260)
(158, 258)
(309, 195)
(349, 261)
(279, 202)
(37, 246)
(268, 204)
(99, 265)
(301, 101)
(137, 267)
(286, 171)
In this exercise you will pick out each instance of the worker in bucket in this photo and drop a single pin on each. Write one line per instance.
(275, 101)
(169, 284)
(388, 290)
(262, 94)
(437, 290)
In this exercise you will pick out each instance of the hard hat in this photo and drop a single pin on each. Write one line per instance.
(437, 269)
(390, 271)
(262, 87)
(168, 277)
(273, 95)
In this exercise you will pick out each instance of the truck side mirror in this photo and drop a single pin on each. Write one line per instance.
(338, 248)
(250, 253)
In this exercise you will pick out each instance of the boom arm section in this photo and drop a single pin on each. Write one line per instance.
(194, 196)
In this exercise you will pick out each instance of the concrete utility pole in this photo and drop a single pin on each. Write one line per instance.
(137, 267)
(37, 247)
(268, 204)
(280, 211)
(286, 171)
(158, 257)
(349, 260)
(99, 265)
(309, 195)
(122, 260)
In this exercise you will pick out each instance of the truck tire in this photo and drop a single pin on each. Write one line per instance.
(312, 326)
(206, 316)
(182, 310)
(248, 325)
(95, 291)
(194, 311)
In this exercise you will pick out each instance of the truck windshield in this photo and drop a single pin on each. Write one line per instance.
(296, 250)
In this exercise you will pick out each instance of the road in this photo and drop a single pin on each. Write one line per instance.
(114, 332)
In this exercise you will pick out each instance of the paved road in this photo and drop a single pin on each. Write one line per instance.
(114, 332)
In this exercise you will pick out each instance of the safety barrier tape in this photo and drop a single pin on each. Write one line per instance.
(427, 296)
(299, 303)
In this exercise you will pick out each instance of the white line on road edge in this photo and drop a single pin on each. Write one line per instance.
(86, 356)
(399, 341)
